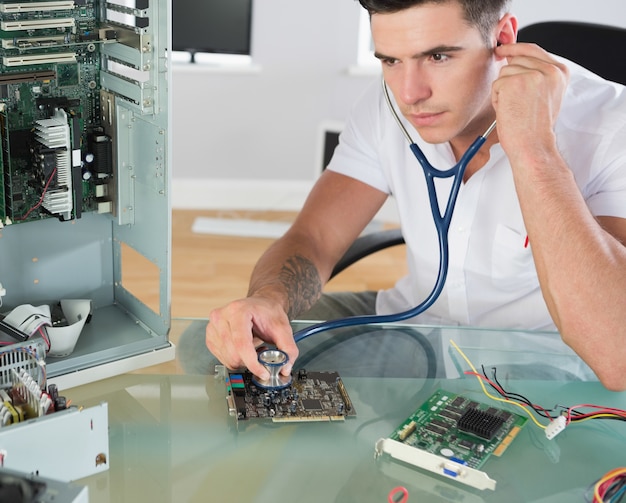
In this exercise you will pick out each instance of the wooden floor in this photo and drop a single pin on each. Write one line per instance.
(210, 270)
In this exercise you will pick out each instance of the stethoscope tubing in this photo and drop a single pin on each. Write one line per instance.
(442, 224)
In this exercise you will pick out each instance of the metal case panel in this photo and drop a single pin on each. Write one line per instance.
(66, 446)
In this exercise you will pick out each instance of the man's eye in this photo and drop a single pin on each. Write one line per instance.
(439, 57)
(389, 61)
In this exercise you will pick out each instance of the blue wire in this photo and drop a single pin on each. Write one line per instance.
(619, 495)
(442, 223)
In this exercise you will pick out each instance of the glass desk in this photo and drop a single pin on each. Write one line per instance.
(172, 438)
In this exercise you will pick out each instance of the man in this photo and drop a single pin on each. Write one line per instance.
(539, 231)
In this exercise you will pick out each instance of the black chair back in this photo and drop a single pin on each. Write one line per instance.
(599, 48)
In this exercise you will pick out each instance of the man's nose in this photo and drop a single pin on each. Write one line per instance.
(413, 86)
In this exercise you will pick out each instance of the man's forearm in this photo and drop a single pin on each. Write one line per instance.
(293, 280)
(302, 283)
(581, 267)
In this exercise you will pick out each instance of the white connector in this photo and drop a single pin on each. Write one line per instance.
(555, 427)
(3, 291)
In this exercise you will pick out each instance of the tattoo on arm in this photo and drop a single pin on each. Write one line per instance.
(302, 282)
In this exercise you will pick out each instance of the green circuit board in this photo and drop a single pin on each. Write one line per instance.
(50, 59)
(455, 427)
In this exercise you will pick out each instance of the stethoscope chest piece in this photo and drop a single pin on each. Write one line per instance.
(273, 360)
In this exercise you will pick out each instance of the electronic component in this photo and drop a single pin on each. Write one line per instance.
(53, 62)
(453, 436)
(31, 411)
(311, 396)
(40, 90)
(23, 393)
(555, 427)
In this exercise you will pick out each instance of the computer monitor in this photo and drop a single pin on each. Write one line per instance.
(215, 26)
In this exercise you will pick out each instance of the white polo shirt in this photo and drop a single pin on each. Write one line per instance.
(492, 281)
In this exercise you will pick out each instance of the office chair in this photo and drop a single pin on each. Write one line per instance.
(599, 48)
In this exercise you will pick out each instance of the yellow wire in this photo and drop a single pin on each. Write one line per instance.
(497, 399)
(612, 474)
(610, 416)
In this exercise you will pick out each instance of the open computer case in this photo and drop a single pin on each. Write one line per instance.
(85, 168)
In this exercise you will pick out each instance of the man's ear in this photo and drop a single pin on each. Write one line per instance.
(506, 31)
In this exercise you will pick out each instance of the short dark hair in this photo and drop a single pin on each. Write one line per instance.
(484, 14)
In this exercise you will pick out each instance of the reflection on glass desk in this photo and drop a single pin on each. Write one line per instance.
(172, 439)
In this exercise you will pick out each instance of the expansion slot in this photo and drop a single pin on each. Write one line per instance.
(21, 77)
(33, 42)
(127, 71)
(37, 24)
(39, 59)
(131, 4)
(127, 19)
(16, 8)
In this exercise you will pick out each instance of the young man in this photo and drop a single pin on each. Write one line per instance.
(538, 236)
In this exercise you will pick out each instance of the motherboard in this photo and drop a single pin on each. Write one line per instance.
(57, 155)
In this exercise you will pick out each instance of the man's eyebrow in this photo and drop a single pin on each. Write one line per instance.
(440, 49)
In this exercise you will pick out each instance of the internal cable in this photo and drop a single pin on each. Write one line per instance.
(610, 488)
(497, 399)
(567, 414)
(43, 194)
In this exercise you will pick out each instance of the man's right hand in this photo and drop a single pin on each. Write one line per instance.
(237, 329)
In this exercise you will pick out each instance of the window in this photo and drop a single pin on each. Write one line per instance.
(366, 62)
(220, 27)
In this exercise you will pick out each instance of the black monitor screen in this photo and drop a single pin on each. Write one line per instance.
(219, 26)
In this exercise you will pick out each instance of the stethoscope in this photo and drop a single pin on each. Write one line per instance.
(442, 224)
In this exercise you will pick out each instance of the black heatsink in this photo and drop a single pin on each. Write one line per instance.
(480, 423)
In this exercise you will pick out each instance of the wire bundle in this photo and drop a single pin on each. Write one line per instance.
(572, 413)
(610, 488)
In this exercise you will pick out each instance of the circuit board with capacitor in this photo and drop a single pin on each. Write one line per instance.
(311, 397)
(454, 436)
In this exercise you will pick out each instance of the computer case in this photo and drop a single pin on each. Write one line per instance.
(85, 195)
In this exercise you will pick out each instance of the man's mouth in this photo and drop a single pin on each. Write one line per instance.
(424, 119)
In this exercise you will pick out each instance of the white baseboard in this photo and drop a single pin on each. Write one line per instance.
(258, 195)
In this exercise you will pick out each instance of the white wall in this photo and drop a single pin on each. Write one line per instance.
(251, 140)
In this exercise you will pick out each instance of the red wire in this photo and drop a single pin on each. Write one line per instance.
(45, 189)
(44, 336)
(504, 394)
(599, 410)
(487, 380)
